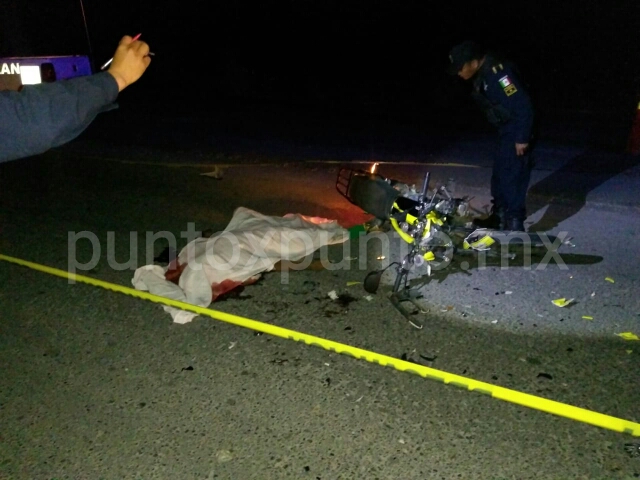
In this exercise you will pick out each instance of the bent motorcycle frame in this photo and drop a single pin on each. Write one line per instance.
(417, 221)
(411, 219)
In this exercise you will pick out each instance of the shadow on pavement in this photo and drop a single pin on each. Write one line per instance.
(466, 264)
(565, 190)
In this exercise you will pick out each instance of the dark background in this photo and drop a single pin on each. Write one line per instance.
(384, 58)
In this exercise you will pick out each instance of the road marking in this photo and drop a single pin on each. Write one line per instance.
(495, 391)
(282, 163)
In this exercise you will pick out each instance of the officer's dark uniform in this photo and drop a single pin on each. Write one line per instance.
(507, 105)
(48, 115)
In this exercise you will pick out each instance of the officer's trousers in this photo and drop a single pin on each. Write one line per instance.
(510, 178)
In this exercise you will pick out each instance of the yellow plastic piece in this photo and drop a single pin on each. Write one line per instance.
(483, 243)
(433, 216)
(404, 235)
(628, 336)
(561, 302)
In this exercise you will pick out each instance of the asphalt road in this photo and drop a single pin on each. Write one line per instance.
(97, 384)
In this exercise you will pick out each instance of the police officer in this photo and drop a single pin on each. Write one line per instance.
(507, 105)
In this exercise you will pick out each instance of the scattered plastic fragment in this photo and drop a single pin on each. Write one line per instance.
(368, 298)
(562, 302)
(360, 398)
(232, 344)
(224, 456)
(610, 280)
(587, 317)
(508, 292)
(494, 321)
(401, 441)
(628, 336)
(217, 173)
(429, 358)
(333, 295)
(633, 449)
(351, 284)
(593, 294)
(629, 351)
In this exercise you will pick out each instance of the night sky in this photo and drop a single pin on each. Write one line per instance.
(385, 54)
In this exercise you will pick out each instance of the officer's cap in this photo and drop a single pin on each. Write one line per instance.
(463, 53)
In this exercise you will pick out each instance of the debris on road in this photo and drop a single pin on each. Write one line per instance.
(216, 173)
(610, 280)
(562, 302)
(587, 317)
(333, 295)
(628, 336)
(428, 358)
(633, 449)
(351, 284)
(224, 456)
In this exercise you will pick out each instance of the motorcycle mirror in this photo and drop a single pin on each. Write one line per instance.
(372, 281)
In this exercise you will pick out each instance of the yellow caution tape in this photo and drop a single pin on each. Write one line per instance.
(505, 394)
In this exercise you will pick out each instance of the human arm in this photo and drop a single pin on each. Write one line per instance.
(48, 115)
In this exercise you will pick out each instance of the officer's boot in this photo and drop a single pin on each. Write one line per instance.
(515, 225)
(494, 221)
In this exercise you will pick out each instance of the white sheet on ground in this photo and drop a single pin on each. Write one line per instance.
(251, 243)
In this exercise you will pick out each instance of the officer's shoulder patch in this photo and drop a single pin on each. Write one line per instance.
(507, 85)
